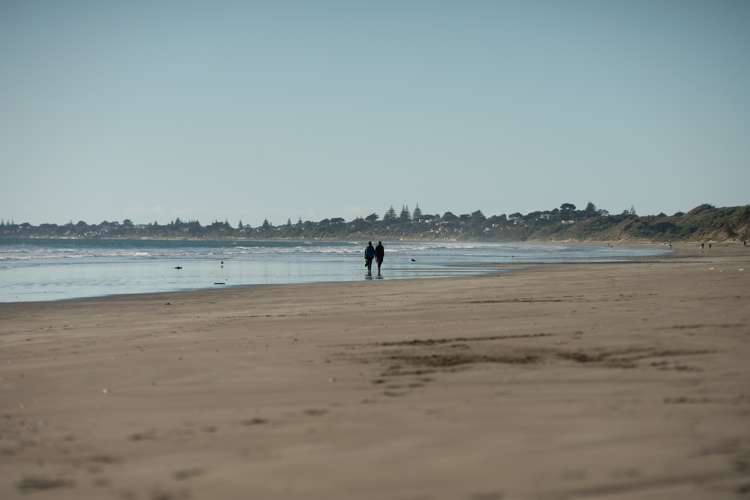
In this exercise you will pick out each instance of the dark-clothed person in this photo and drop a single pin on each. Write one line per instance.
(379, 255)
(369, 255)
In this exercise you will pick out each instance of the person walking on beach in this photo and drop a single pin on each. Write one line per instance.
(379, 256)
(369, 255)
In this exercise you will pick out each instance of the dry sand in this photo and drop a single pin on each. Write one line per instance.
(552, 382)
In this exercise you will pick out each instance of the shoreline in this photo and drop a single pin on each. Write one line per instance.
(489, 268)
(621, 241)
(218, 290)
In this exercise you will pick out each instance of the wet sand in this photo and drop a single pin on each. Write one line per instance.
(551, 382)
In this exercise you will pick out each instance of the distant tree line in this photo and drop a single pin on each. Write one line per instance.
(565, 222)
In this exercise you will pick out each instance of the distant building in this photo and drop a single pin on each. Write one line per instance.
(515, 218)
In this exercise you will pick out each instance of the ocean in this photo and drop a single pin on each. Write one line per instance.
(42, 270)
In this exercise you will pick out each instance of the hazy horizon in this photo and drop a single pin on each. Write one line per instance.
(240, 111)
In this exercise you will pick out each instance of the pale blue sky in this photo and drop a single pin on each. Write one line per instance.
(245, 110)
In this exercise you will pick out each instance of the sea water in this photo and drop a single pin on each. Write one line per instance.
(38, 269)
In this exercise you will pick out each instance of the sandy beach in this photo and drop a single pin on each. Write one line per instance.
(627, 380)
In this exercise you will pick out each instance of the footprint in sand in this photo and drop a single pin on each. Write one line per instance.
(315, 412)
(184, 474)
(143, 436)
(255, 421)
(39, 483)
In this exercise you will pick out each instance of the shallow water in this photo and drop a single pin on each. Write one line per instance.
(38, 270)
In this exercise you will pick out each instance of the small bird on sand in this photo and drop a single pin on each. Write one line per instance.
(178, 267)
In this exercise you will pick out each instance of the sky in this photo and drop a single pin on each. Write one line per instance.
(246, 110)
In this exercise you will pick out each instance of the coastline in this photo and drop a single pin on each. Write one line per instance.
(558, 381)
(466, 267)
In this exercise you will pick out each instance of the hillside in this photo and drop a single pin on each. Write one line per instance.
(704, 222)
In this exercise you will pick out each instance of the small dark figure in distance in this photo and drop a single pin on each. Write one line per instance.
(369, 255)
(379, 255)
(710, 245)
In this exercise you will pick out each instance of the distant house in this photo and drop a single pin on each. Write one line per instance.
(515, 218)
(429, 218)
